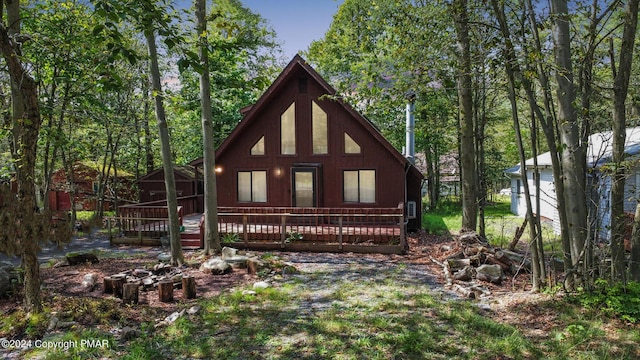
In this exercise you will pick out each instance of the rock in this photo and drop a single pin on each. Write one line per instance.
(289, 269)
(237, 262)
(141, 273)
(261, 285)
(171, 318)
(89, 281)
(53, 323)
(164, 257)
(248, 292)
(162, 268)
(65, 324)
(444, 248)
(193, 310)
(491, 273)
(228, 252)
(129, 333)
(215, 266)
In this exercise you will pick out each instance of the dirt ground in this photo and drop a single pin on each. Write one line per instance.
(61, 283)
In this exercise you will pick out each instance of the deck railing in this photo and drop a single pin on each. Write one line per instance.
(337, 226)
(189, 204)
(145, 220)
(287, 228)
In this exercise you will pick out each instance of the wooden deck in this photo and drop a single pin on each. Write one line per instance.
(291, 229)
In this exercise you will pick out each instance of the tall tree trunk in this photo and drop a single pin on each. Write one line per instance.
(467, 144)
(177, 257)
(511, 71)
(149, 163)
(26, 128)
(211, 236)
(620, 90)
(573, 156)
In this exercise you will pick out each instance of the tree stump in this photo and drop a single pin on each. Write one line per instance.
(108, 284)
(118, 284)
(130, 293)
(189, 287)
(165, 290)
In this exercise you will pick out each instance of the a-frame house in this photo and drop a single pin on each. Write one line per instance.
(298, 146)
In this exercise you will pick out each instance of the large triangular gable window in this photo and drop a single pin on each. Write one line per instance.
(350, 145)
(288, 131)
(258, 147)
(319, 129)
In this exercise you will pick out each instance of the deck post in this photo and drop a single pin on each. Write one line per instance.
(245, 232)
(140, 229)
(283, 229)
(340, 232)
(402, 232)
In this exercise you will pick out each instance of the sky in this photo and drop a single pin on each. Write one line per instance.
(296, 22)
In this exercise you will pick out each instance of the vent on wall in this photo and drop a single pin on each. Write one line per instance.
(411, 210)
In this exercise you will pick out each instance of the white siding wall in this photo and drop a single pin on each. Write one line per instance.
(548, 204)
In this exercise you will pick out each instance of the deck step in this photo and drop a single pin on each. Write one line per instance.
(191, 243)
(190, 235)
(190, 240)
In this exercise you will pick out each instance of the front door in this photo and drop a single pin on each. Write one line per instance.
(304, 187)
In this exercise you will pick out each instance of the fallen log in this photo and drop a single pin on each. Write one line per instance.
(455, 264)
(494, 261)
(518, 235)
(468, 293)
(516, 261)
(465, 274)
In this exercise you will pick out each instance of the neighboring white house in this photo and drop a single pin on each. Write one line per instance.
(599, 183)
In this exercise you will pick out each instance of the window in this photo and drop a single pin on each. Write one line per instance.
(350, 145)
(252, 186)
(359, 186)
(258, 147)
(288, 131)
(319, 129)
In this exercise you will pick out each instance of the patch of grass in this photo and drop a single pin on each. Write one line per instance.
(500, 223)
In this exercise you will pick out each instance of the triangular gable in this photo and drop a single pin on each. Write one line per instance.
(299, 63)
(186, 172)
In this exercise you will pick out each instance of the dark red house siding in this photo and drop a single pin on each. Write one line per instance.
(152, 186)
(298, 83)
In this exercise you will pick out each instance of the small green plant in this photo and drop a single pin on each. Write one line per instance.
(618, 300)
(293, 236)
(229, 238)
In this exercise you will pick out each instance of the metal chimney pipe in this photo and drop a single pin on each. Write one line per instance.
(410, 125)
